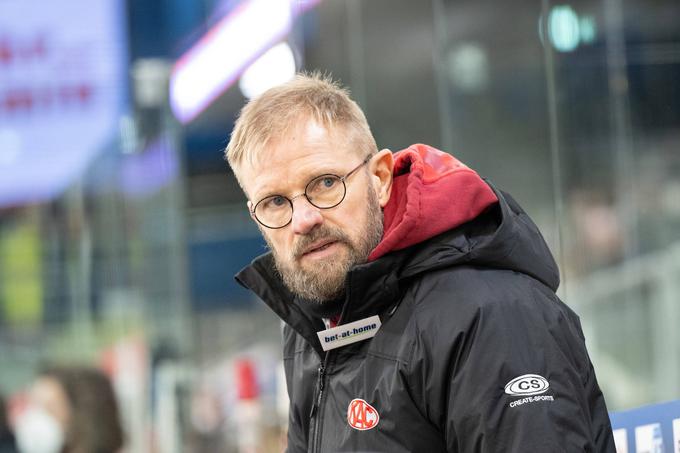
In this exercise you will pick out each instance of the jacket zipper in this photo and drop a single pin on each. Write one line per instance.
(323, 367)
(316, 408)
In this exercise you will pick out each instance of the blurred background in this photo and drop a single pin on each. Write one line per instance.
(121, 226)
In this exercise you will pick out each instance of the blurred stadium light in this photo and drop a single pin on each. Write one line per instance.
(227, 49)
(276, 66)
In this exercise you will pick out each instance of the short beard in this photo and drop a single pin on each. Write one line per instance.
(326, 281)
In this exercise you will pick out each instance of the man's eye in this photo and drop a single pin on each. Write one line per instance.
(328, 182)
(322, 184)
(274, 202)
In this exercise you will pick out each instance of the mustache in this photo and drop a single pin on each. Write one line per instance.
(318, 233)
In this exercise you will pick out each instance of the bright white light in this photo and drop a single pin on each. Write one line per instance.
(563, 28)
(273, 68)
(588, 29)
(215, 62)
(150, 76)
(469, 67)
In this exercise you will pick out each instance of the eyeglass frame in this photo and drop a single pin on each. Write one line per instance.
(290, 200)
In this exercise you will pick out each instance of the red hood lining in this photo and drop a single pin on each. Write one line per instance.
(432, 192)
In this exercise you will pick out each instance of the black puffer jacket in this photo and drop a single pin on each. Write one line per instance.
(466, 316)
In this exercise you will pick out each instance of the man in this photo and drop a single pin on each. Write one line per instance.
(419, 302)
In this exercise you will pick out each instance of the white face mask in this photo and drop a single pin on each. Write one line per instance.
(37, 431)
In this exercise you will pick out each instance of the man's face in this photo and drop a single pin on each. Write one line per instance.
(316, 250)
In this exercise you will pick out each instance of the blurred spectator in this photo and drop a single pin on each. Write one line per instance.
(599, 235)
(71, 410)
(7, 442)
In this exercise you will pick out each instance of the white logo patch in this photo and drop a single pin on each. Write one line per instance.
(345, 334)
(527, 385)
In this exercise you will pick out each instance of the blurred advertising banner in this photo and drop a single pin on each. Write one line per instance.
(62, 88)
(648, 429)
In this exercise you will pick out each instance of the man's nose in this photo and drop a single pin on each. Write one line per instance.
(306, 216)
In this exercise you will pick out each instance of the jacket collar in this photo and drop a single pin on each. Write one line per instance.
(370, 289)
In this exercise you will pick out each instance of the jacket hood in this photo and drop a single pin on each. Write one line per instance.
(439, 201)
(432, 192)
(502, 237)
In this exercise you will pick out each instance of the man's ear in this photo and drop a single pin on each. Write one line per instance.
(250, 210)
(382, 165)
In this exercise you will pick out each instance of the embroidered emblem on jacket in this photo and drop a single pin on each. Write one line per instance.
(361, 415)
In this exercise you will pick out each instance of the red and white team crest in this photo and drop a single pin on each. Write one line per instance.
(361, 415)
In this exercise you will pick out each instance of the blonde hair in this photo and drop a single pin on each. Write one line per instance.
(280, 109)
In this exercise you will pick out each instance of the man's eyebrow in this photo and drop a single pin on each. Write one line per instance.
(268, 189)
(330, 169)
(265, 191)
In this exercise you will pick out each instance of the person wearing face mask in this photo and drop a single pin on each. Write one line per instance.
(71, 410)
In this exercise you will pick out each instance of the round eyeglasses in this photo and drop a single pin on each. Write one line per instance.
(324, 192)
